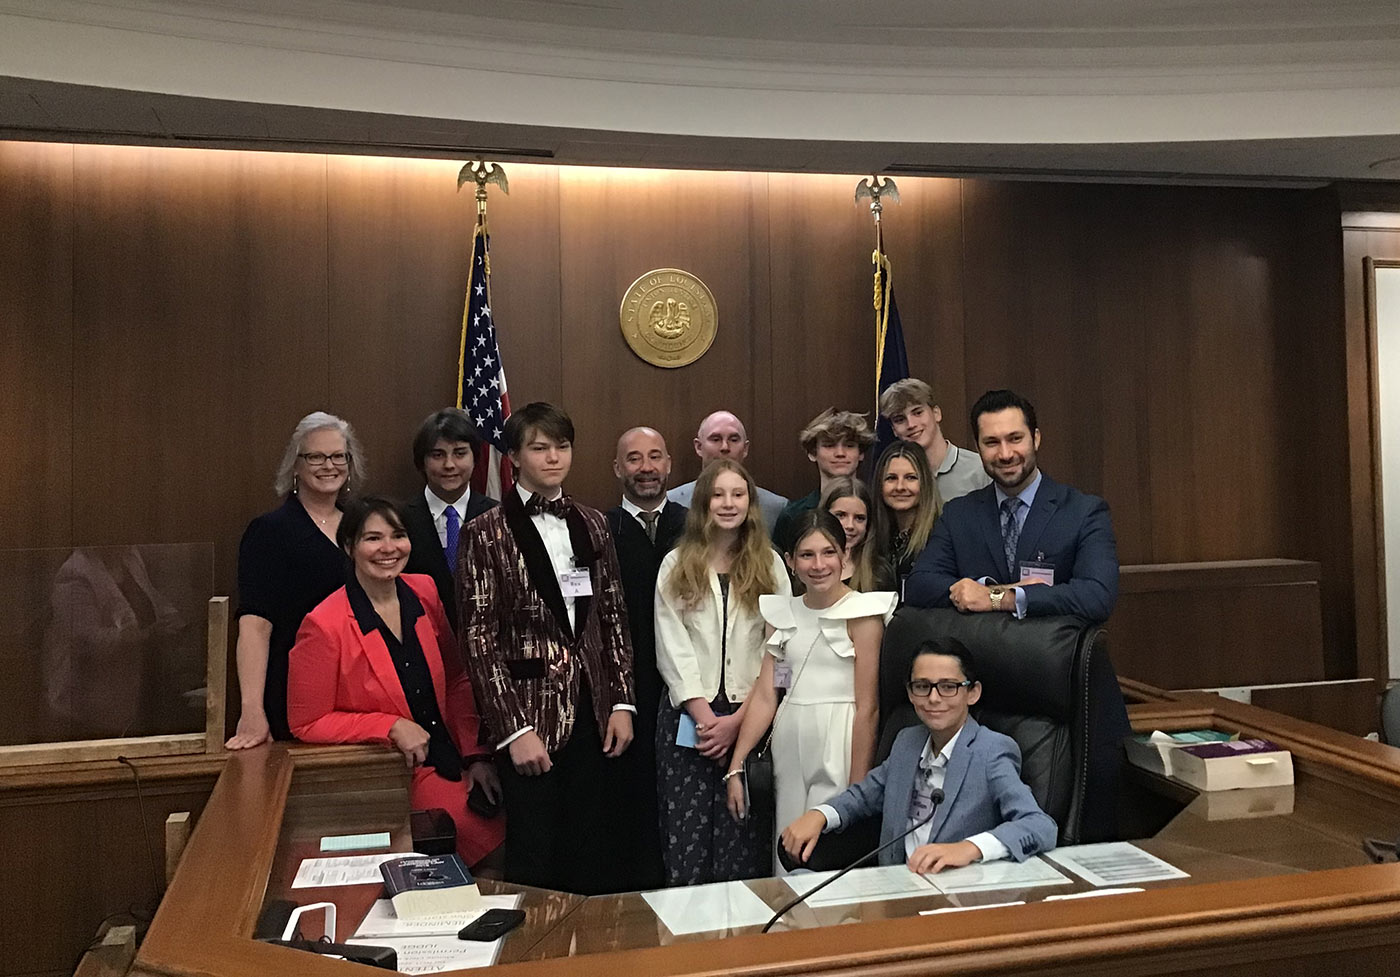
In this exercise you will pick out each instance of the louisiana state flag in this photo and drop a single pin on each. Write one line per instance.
(891, 361)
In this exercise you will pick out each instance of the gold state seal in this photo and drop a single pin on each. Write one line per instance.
(668, 317)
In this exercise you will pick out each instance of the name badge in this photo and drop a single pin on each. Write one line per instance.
(1039, 572)
(576, 583)
(782, 675)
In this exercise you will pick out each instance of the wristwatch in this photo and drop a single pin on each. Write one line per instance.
(997, 593)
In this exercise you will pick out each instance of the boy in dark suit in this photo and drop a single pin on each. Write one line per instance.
(443, 452)
(544, 635)
(1025, 544)
(987, 813)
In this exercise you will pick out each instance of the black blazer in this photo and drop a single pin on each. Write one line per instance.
(427, 555)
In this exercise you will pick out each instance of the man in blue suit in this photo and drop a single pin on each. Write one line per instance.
(1024, 544)
(987, 813)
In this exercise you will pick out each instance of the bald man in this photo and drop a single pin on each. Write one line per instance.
(644, 528)
(722, 435)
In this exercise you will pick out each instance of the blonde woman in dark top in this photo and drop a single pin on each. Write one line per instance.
(908, 507)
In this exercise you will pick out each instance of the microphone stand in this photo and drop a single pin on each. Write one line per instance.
(936, 798)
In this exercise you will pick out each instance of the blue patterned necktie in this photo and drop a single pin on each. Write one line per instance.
(1010, 535)
(454, 529)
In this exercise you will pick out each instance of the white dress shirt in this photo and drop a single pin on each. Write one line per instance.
(438, 510)
(554, 531)
(987, 843)
(635, 511)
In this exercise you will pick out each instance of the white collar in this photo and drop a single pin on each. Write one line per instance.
(436, 507)
(526, 493)
(945, 754)
(635, 511)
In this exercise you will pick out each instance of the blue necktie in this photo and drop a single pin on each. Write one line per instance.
(454, 528)
(1010, 535)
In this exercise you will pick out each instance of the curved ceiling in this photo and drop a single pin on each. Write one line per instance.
(934, 79)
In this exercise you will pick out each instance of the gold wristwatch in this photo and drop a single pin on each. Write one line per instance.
(997, 593)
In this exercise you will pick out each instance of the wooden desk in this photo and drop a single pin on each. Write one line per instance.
(1227, 623)
(1283, 895)
(308, 819)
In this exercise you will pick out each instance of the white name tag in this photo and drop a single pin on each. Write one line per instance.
(782, 675)
(1040, 572)
(576, 583)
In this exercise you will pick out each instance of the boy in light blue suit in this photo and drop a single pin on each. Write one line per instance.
(988, 813)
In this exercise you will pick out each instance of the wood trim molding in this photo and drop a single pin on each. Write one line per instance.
(315, 762)
(81, 751)
(216, 675)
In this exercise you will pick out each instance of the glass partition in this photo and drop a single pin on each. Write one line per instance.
(104, 642)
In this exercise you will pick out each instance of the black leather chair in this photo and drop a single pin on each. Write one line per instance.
(1049, 685)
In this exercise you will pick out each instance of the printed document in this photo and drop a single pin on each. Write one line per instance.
(862, 885)
(1004, 874)
(344, 870)
(381, 923)
(1114, 863)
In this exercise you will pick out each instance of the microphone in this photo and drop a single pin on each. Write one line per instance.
(936, 798)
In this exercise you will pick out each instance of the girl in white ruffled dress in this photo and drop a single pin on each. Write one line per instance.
(824, 649)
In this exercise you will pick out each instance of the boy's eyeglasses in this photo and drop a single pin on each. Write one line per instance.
(922, 688)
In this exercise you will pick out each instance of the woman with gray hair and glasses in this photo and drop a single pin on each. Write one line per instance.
(288, 562)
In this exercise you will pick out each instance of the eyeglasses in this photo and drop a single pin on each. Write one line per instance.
(318, 458)
(922, 688)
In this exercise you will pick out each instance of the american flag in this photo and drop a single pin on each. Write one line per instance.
(481, 381)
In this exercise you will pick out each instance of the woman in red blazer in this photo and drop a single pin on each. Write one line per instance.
(376, 662)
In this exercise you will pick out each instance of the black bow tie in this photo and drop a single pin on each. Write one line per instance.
(538, 505)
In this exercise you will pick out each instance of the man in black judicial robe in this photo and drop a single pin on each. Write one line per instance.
(644, 528)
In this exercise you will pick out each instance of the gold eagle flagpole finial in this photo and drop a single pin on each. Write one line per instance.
(481, 172)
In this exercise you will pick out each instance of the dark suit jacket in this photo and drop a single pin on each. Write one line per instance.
(1066, 528)
(527, 664)
(428, 555)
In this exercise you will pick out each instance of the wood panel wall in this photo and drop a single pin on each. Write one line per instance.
(169, 314)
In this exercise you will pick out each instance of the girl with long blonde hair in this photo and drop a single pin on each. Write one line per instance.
(709, 649)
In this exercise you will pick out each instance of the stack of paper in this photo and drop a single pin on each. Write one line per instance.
(429, 944)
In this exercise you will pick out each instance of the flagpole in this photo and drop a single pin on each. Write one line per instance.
(480, 371)
(877, 188)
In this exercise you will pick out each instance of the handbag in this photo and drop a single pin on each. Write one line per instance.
(760, 783)
(760, 788)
